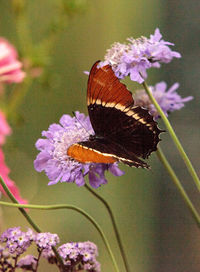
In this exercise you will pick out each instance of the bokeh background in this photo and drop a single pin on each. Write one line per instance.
(58, 40)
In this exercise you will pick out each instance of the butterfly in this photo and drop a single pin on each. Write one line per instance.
(124, 132)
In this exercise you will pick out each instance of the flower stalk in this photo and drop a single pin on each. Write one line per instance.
(179, 186)
(174, 138)
(117, 234)
(28, 218)
(55, 207)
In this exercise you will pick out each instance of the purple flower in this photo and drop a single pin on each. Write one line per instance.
(46, 240)
(76, 256)
(53, 158)
(159, 50)
(81, 254)
(16, 241)
(31, 234)
(29, 262)
(138, 55)
(169, 100)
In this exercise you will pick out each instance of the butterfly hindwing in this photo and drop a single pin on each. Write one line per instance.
(101, 151)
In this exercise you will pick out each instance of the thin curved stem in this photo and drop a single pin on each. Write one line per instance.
(71, 207)
(179, 186)
(60, 206)
(174, 138)
(38, 258)
(28, 218)
(13, 199)
(114, 226)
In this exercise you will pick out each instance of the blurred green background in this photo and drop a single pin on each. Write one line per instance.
(64, 38)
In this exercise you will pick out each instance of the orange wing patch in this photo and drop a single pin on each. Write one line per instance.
(88, 155)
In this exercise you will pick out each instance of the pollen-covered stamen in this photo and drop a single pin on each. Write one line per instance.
(115, 53)
(68, 138)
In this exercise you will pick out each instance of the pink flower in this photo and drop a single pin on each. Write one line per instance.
(10, 67)
(4, 171)
(4, 128)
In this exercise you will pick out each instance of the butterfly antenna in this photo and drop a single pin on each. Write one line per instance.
(80, 122)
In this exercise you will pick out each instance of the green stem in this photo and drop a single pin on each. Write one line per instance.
(174, 138)
(114, 226)
(71, 207)
(38, 259)
(13, 199)
(179, 186)
(28, 218)
(61, 206)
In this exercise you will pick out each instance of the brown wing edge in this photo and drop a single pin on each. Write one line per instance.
(104, 87)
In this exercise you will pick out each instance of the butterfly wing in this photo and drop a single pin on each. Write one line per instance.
(123, 132)
(114, 116)
(102, 151)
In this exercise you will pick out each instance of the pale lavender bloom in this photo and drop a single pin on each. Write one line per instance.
(29, 263)
(45, 240)
(81, 254)
(159, 50)
(31, 234)
(88, 250)
(53, 158)
(169, 100)
(138, 55)
(76, 256)
(66, 249)
(16, 241)
(9, 234)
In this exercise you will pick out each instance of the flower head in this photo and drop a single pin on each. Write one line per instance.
(46, 240)
(169, 100)
(4, 171)
(138, 55)
(10, 67)
(53, 158)
(81, 254)
(29, 263)
(16, 241)
(4, 128)
(76, 256)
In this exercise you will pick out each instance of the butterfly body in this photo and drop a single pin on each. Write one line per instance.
(123, 132)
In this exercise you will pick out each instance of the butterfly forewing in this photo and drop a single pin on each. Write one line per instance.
(105, 88)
